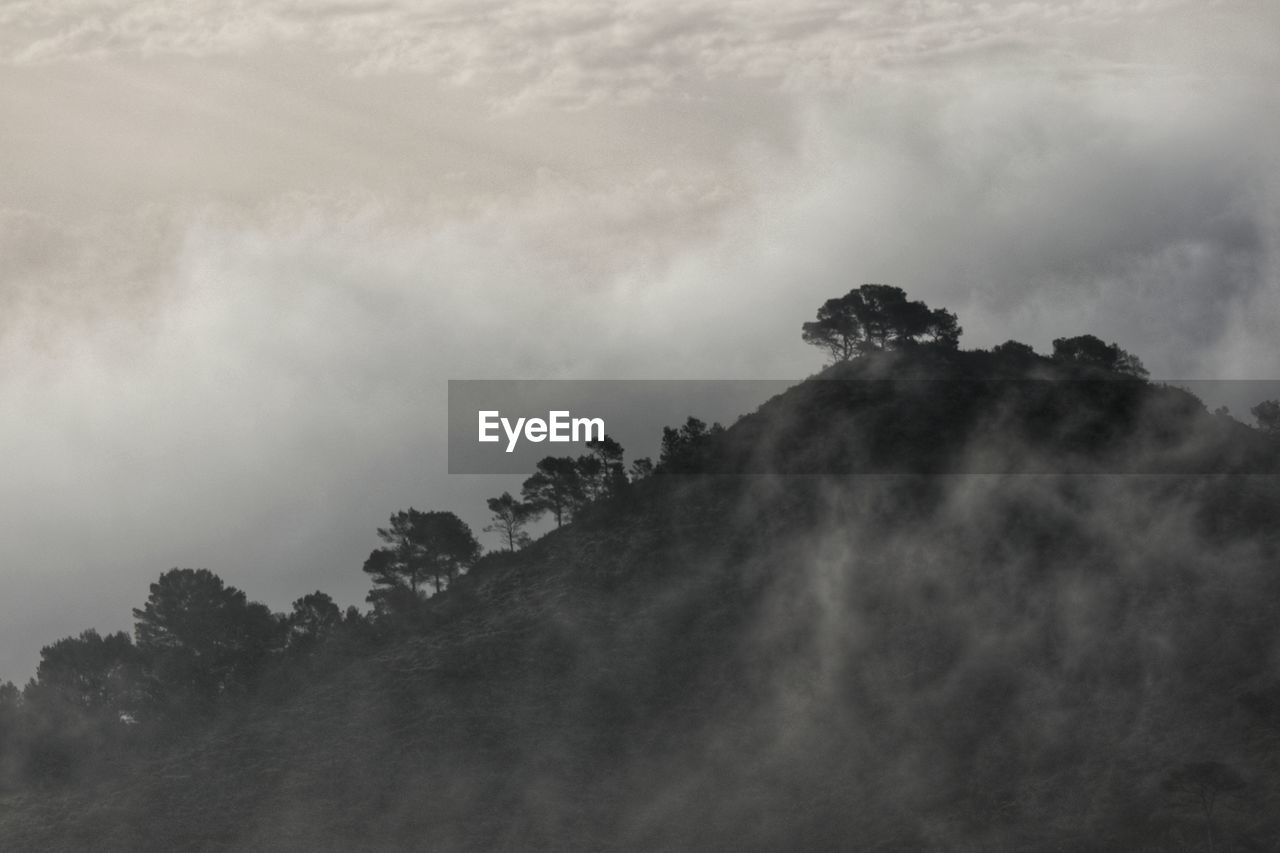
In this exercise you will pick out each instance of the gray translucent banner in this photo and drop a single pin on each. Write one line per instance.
(900, 426)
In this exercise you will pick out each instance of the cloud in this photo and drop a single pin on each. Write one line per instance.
(554, 51)
(233, 288)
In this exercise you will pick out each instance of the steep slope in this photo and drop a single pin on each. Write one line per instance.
(920, 658)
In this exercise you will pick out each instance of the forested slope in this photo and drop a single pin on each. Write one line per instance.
(934, 600)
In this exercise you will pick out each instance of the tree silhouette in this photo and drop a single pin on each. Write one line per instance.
(509, 519)
(1092, 351)
(555, 487)
(590, 480)
(1268, 415)
(201, 639)
(421, 547)
(1014, 349)
(1202, 785)
(608, 475)
(641, 468)
(877, 317)
(10, 702)
(313, 619)
(90, 672)
(684, 450)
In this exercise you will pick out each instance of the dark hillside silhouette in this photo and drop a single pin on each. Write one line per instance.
(928, 599)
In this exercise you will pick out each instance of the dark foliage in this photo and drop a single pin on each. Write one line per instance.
(201, 640)
(510, 517)
(1092, 352)
(1014, 350)
(877, 317)
(556, 487)
(1267, 414)
(687, 450)
(422, 547)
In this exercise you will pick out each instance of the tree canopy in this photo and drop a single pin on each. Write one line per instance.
(877, 317)
(1267, 414)
(201, 638)
(555, 487)
(510, 516)
(313, 619)
(1014, 349)
(603, 472)
(1092, 351)
(684, 450)
(91, 672)
(421, 547)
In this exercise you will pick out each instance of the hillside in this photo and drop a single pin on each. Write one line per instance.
(1010, 606)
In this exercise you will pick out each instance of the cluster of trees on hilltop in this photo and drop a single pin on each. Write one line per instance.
(879, 317)
(875, 318)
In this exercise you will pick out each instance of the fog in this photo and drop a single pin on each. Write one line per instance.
(243, 250)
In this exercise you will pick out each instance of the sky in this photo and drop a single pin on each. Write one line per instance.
(243, 246)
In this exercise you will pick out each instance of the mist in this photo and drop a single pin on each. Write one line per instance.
(242, 252)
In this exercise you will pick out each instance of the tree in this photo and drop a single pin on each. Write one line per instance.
(421, 547)
(611, 476)
(641, 468)
(684, 450)
(1202, 785)
(1268, 415)
(313, 619)
(509, 519)
(590, 480)
(201, 639)
(10, 698)
(555, 486)
(877, 317)
(1014, 349)
(1093, 352)
(943, 328)
(91, 673)
(10, 704)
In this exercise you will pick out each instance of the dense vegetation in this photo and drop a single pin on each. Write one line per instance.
(1015, 602)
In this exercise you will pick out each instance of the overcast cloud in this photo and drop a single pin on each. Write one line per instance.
(243, 246)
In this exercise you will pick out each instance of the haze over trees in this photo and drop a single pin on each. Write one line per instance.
(1267, 414)
(996, 663)
(1201, 786)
